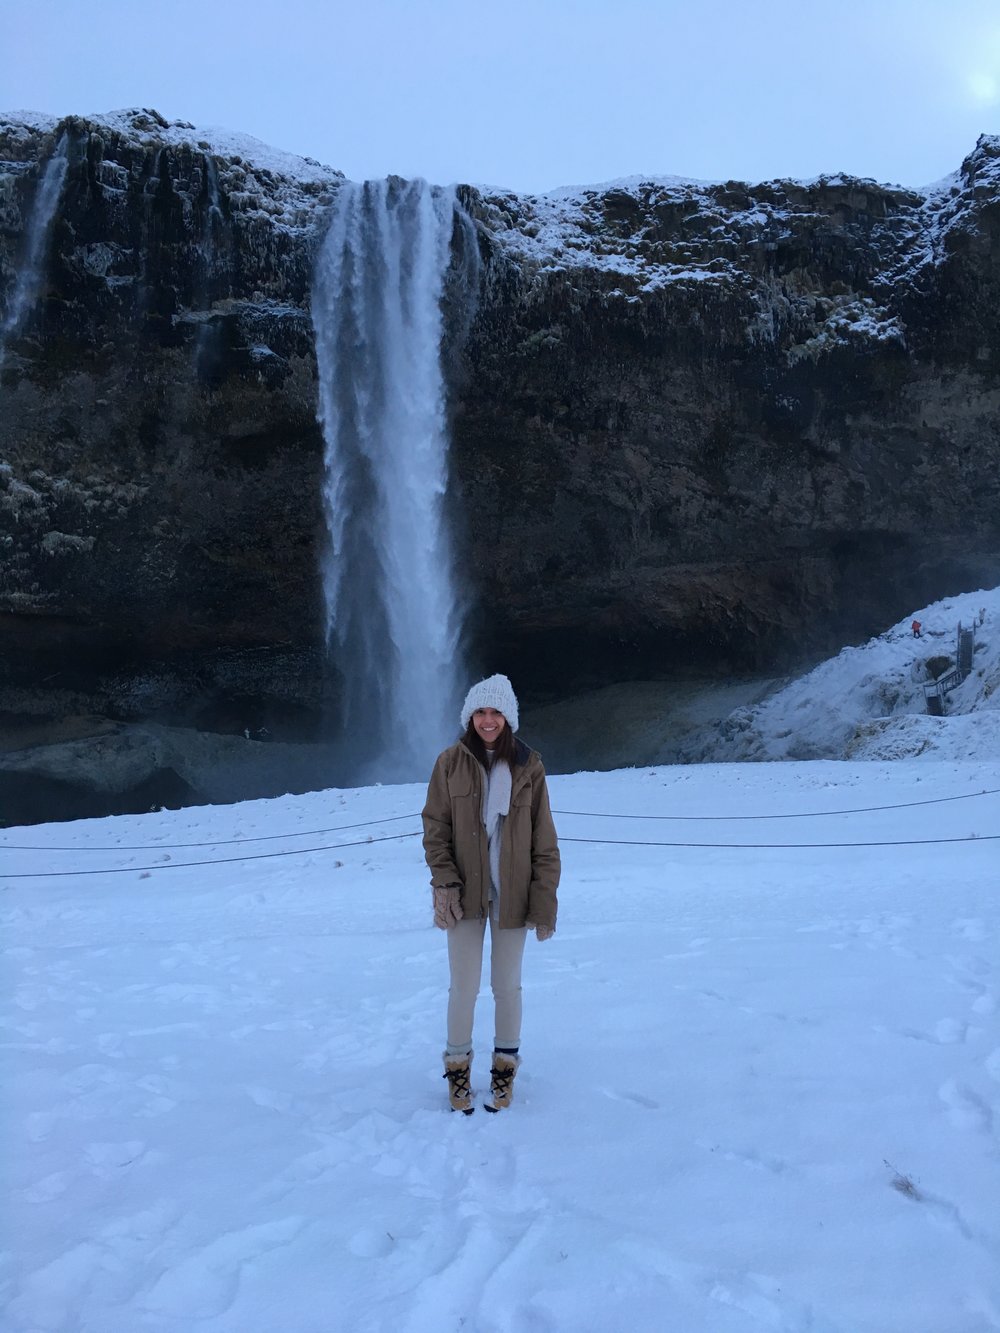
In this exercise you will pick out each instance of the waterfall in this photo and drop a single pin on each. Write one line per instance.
(392, 618)
(210, 244)
(31, 270)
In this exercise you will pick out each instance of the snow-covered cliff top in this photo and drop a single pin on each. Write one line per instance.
(257, 179)
(139, 122)
(653, 231)
(649, 230)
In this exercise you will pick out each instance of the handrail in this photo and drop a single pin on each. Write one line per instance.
(964, 650)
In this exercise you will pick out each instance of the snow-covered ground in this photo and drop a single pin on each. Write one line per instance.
(760, 1090)
(868, 702)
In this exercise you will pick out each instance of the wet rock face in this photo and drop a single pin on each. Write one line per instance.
(696, 427)
(728, 426)
(160, 458)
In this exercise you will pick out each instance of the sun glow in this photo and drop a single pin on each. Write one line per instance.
(984, 88)
(982, 79)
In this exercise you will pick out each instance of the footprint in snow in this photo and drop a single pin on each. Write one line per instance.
(636, 1098)
(370, 1243)
(39, 1125)
(965, 1109)
(50, 1297)
(969, 928)
(108, 1160)
(205, 1283)
(945, 1032)
(268, 1098)
(757, 1161)
(48, 1188)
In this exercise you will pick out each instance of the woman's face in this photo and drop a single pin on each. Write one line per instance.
(488, 724)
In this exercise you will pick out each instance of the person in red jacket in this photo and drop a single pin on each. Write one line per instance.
(916, 629)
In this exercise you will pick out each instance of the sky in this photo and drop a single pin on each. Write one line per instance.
(537, 94)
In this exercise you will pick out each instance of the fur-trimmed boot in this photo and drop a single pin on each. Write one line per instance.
(457, 1072)
(502, 1080)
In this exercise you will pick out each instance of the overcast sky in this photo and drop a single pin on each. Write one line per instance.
(534, 94)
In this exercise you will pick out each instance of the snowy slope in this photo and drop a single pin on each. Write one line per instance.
(868, 702)
(760, 1091)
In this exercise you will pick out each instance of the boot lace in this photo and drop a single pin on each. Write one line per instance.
(458, 1082)
(501, 1081)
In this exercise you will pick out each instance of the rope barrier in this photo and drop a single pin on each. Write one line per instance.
(802, 814)
(602, 842)
(583, 814)
(220, 861)
(216, 842)
(795, 846)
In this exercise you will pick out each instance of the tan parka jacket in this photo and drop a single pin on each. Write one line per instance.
(456, 847)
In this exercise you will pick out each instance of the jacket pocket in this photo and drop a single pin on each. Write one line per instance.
(521, 797)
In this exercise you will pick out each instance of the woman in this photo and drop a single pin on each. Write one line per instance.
(491, 847)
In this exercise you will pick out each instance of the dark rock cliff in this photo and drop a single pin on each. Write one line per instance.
(696, 427)
(726, 426)
(159, 451)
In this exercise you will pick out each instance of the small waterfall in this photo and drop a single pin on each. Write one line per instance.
(392, 616)
(209, 244)
(31, 270)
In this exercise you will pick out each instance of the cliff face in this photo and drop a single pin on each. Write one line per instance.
(160, 459)
(725, 425)
(710, 426)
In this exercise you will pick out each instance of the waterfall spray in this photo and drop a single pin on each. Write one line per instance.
(391, 612)
(32, 268)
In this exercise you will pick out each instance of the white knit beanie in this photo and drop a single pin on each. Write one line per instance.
(494, 692)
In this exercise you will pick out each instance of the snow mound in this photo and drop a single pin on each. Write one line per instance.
(967, 735)
(868, 702)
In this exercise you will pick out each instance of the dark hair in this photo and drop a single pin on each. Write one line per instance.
(505, 747)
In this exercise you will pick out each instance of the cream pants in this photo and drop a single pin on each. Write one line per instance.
(465, 959)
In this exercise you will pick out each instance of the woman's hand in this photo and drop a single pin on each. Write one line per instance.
(447, 906)
(543, 932)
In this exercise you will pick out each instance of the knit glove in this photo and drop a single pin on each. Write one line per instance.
(542, 932)
(447, 906)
